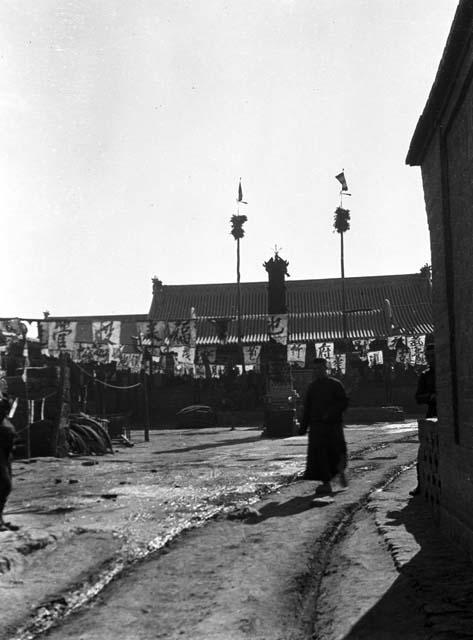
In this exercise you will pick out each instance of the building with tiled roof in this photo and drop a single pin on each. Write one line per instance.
(376, 306)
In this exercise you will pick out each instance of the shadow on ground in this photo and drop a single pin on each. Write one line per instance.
(433, 596)
(290, 508)
(212, 445)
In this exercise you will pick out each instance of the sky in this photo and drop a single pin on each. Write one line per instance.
(126, 126)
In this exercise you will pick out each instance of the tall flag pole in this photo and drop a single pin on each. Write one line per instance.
(342, 224)
(238, 232)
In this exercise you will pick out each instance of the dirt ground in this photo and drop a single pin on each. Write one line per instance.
(243, 575)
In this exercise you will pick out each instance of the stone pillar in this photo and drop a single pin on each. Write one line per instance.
(280, 409)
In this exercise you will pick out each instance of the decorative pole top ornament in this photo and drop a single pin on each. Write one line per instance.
(341, 221)
(238, 220)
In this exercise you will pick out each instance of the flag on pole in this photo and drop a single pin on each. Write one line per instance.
(240, 194)
(341, 178)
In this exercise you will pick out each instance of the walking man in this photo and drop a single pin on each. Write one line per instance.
(324, 404)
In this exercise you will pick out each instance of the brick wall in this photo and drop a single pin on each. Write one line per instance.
(447, 173)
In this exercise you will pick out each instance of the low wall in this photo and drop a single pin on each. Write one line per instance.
(429, 464)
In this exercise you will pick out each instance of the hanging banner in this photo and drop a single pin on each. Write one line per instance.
(106, 332)
(251, 354)
(392, 342)
(184, 355)
(375, 358)
(131, 362)
(182, 333)
(217, 370)
(403, 355)
(338, 363)
(209, 353)
(12, 326)
(416, 346)
(277, 327)
(296, 352)
(199, 371)
(62, 335)
(117, 355)
(91, 352)
(324, 350)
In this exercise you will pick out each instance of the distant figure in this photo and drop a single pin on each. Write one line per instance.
(324, 404)
(7, 437)
(426, 394)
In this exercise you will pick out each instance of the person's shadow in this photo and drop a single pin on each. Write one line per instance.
(433, 595)
(291, 507)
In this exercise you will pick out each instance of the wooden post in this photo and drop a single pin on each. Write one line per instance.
(63, 406)
(240, 348)
(344, 314)
(146, 407)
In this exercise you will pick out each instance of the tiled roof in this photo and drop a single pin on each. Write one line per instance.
(314, 307)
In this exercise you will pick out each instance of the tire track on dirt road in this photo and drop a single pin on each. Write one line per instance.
(251, 553)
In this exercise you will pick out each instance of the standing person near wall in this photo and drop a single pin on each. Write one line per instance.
(324, 404)
(426, 394)
(7, 437)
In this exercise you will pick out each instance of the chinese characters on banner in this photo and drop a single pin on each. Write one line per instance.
(416, 346)
(62, 336)
(251, 354)
(338, 363)
(182, 333)
(133, 362)
(296, 352)
(184, 355)
(410, 351)
(393, 342)
(374, 358)
(277, 327)
(91, 352)
(106, 332)
(324, 350)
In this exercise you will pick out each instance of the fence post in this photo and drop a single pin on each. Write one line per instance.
(63, 406)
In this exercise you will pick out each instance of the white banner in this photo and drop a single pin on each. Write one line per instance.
(374, 358)
(416, 346)
(392, 342)
(182, 333)
(251, 353)
(277, 327)
(91, 352)
(296, 352)
(184, 355)
(62, 335)
(324, 350)
(106, 332)
(338, 363)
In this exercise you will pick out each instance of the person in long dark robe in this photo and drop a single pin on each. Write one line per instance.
(426, 394)
(324, 404)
